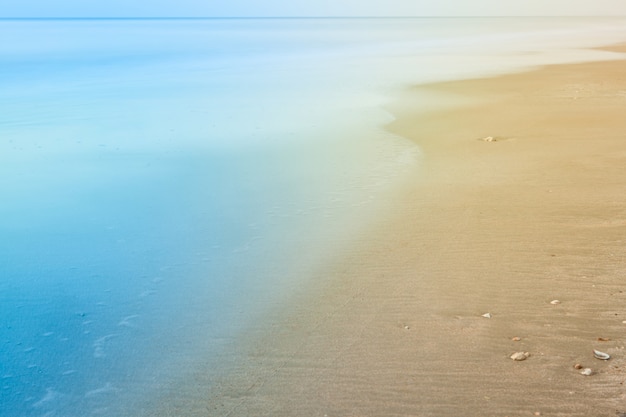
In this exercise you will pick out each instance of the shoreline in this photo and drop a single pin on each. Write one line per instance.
(501, 226)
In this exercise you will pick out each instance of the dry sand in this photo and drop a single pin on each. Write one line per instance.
(394, 327)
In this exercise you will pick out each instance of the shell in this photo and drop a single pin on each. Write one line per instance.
(520, 356)
(586, 372)
(486, 315)
(555, 302)
(601, 355)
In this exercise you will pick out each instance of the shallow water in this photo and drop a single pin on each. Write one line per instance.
(165, 182)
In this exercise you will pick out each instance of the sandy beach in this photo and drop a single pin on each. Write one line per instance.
(519, 202)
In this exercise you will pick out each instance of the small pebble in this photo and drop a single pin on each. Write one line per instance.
(586, 372)
(486, 315)
(516, 339)
(520, 356)
(578, 366)
(555, 302)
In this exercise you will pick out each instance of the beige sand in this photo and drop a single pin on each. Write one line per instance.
(501, 227)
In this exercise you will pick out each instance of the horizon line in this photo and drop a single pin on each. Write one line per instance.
(287, 17)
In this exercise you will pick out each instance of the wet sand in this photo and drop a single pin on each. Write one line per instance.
(394, 326)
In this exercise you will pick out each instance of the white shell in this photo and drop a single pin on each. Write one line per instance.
(486, 315)
(601, 355)
(555, 302)
(520, 356)
(586, 372)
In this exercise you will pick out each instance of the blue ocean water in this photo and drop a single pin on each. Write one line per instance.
(163, 183)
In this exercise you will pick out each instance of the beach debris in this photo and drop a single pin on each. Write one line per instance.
(603, 339)
(486, 315)
(537, 413)
(495, 138)
(516, 339)
(601, 355)
(578, 366)
(586, 372)
(407, 327)
(555, 302)
(520, 356)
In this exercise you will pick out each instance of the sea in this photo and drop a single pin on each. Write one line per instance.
(167, 183)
